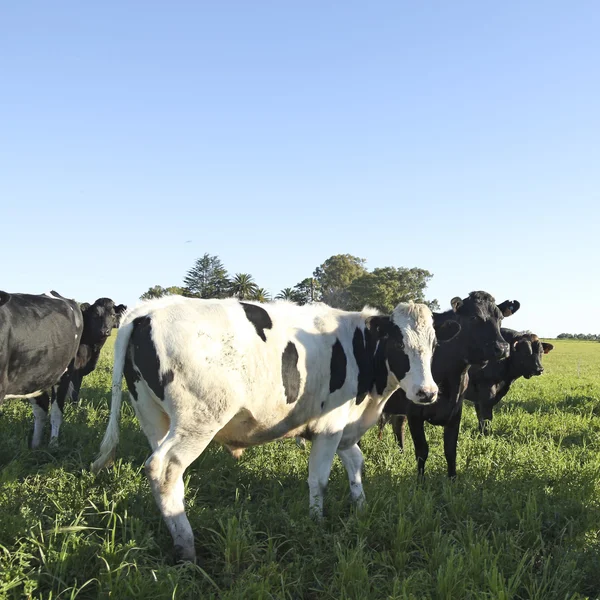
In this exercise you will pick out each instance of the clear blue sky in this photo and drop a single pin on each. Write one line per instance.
(461, 137)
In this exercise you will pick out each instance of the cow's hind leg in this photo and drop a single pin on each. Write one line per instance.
(322, 451)
(153, 420)
(353, 461)
(40, 406)
(165, 469)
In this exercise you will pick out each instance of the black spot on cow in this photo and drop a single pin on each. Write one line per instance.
(131, 376)
(259, 317)
(397, 358)
(364, 360)
(289, 373)
(337, 367)
(146, 359)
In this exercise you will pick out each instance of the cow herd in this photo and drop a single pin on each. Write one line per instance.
(244, 373)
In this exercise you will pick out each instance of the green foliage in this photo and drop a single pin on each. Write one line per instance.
(520, 522)
(158, 292)
(307, 291)
(261, 295)
(385, 288)
(207, 278)
(335, 276)
(243, 286)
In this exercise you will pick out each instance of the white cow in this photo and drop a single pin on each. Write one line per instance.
(244, 374)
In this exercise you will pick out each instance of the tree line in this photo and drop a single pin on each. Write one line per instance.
(341, 281)
(594, 337)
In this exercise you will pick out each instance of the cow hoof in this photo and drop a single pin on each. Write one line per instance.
(184, 555)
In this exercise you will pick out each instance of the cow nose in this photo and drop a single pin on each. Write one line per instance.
(426, 397)
(106, 332)
(501, 350)
(539, 371)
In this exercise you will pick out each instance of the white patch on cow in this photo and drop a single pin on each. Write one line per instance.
(26, 396)
(39, 420)
(416, 324)
(56, 418)
(226, 384)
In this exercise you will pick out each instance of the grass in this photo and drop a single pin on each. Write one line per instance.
(521, 521)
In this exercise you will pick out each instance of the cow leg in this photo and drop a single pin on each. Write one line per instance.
(165, 469)
(153, 420)
(484, 417)
(353, 461)
(451, 430)
(322, 451)
(417, 431)
(40, 406)
(399, 427)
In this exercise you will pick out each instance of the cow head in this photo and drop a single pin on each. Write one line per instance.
(480, 319)
(407, 340)
(99, 319)
(526, 351)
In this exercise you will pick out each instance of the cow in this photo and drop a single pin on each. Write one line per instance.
(490, 383)
(479, 341)
(244, 373)
(47, 344)
(99, 320)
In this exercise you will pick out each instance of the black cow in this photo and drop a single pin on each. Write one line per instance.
(47, 345)
(479, 341)
(99, 319)
(490, 383)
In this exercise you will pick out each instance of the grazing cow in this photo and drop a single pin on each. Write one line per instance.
(244, 374)
(479, 341)
(490, 383)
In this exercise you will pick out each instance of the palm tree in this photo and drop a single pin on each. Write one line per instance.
(261, 295)
(286, 294)
(243, 286)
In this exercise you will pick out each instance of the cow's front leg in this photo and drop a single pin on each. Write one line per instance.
(353, 461)
(451, 430)
(40, 406)
(59, 395)
(417, 431)
(322, 451)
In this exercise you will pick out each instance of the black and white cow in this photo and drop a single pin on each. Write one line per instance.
(47, 345)
(488, 384)
(479, 341)
(99, 319)
(39, 337)
(243, 374)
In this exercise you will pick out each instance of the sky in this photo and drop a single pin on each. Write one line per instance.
(460, 137)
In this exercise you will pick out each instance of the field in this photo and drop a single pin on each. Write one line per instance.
(522, 520)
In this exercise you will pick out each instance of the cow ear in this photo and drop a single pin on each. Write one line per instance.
(446, 331)
(509, 307)
(547, 347)
(84, 306)
(4, 298)
(379, 326)
(120, 309)
(456, 303)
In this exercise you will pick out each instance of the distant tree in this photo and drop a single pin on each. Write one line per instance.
(307, 291)
(290, 294)
(207, 278)
(243, 286)
(336, 275)
(261, 295)
(384, 288)
(158, 292)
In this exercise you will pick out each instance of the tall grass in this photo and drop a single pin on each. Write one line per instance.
(521, 521)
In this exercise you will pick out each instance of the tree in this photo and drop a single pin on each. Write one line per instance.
(384, 288)
(261, 295)
(336, 275)
(207, 278)
(158, 292)
(243, 286)
(290, 294)
(307, 291)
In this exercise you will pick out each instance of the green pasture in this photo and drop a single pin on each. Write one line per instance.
(522, 520)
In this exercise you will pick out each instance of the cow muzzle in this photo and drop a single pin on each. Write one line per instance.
(425, 395)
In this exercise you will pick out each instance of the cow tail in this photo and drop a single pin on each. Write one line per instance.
(111, 436)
